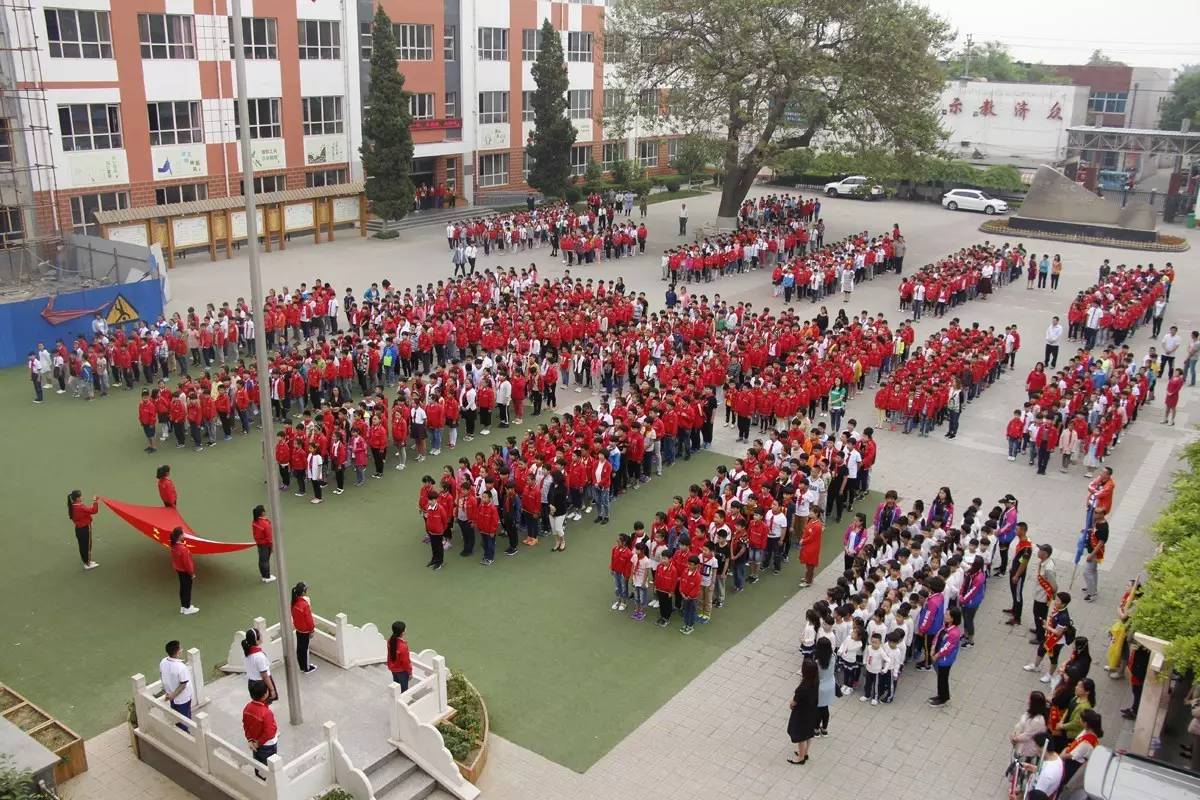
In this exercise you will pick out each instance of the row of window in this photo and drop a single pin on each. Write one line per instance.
(493, 44)
(97, 126)
(494, 167)
(1108, 102)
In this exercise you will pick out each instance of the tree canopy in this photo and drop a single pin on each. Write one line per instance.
(387, 147)
(769, 75)
(993, 61)
(1184, 102)
(553, 132)
(1099, 59)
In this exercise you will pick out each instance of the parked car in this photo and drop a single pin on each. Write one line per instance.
(854, 186)
(1116, 775)
(973, 200)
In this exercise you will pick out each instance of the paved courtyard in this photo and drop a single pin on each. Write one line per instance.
(724, 734)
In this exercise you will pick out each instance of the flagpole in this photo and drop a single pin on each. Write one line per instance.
(291, 669)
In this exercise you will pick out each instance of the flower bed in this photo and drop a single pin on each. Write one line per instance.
(54, 736)
(466, 731)
(1167, 243)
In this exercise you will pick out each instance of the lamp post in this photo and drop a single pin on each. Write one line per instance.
(291, 669)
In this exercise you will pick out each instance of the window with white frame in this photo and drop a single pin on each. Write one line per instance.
(493, 108)
(6, 152)
(579, 46)
(12, 226)
(451, 105)
(90, 126)
(414, 42)
(493, 44)
(648, 153)
(531, 43)
(648, 102)
(451, 173)
(420, 106)
(265, 183)
(175, 122)
(450, 43)
(322, 115)
(365, 42)
(613, 152)
(264, 118)
(527, 162)
(166, 36)
(260, 38)
(1108, 102)
(320, 39)
(579, 159)
(493, 169)
(614, 100)
(614, 43)
(526, 106)
(182, 193)
(78, 33)
(579, 103)
(325, 177)
(672, 150)
(84, 208)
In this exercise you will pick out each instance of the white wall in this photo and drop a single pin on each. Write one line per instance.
(1020, 125)
(1151, 86)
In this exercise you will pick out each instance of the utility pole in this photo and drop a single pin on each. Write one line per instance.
(291, 669)
(967, 58)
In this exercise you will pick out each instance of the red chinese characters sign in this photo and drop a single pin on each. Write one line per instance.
(435, 124)
(956, 106)
(1021, 109)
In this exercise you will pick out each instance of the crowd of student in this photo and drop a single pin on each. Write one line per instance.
(970, 273)
(1121, 299)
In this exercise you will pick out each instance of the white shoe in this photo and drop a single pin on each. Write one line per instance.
(437, 452)
(270, 579)
(315, 501)
(863, 699)
(616, 604)
(621, 607)
(587, 510)
(299, 494)
(338, 491)
(485, 432)
(874, 702)
(91, 565)
(189, 610)
(1045, 678)
(1012, 458)
(1030, 668)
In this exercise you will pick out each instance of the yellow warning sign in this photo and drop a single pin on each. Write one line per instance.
(122, 311)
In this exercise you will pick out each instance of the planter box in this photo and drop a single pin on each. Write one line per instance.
(8, 699)
(26, 716)
(62, 741)
(473, 767)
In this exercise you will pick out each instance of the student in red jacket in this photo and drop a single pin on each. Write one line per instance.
(665, 581)
(487, 523)
(399, 659)
(147, 413)
(81, 517)
(305, 626)
(264, 540)
(166, 486)
(689, 589)
(436, 522)
(620, 564)
(258, 724)
(185, 569)
(1014, 432)
(283, 459)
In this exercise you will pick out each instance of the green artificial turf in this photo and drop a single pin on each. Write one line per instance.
(562, 674)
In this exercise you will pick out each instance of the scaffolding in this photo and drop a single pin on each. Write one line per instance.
(30, 230)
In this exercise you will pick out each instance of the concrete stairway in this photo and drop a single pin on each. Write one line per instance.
(423, 219)
(394, 777)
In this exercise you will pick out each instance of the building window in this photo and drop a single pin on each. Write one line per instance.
(320, 39)
(451, 173)
(579, 46)
(614, 100)
(614, 47)
(451, 105)
(265, 183)
(164, 36)
(95, 126)
(579, 103)
(527, 106)
(84, 207)
(613, 152)
(175, 122)
(579, 159)
(450, 43)
(648, 102)
(413, 42)
(325, 177)
(493, 108)
(527, 162)
(1108, 102)
(420, 106)
(493, 169)
(531, 43)
(264, 118)
(322, 115)
(493, 44)
(259, 38)
(6, 154)
(648, 153)
(12, 227)
(183, 193)
(365, 41)
(75, 33)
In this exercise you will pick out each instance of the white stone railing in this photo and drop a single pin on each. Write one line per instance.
(422, 744)
(231, 768)
(335, 641)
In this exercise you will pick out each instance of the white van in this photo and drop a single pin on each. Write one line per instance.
(1116, 775)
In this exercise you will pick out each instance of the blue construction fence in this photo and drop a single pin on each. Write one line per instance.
(22, 324)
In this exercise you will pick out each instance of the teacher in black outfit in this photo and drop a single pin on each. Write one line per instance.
(803, 718)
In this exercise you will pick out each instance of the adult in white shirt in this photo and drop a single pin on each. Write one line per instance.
(176, 681)
(1053, 336)
(1049, 776)
(1170, 345)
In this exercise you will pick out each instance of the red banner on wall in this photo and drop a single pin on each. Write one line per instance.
(157, 522)
(435, 124)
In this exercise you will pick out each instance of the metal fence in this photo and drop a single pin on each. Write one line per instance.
(77, 262)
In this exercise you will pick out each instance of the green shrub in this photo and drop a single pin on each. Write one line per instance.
(458, 742)
(572, 194)
(673, 183)
(337, 793)
(640, 186)
(387, 234)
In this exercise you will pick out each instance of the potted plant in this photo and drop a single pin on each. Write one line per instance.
(466, 731)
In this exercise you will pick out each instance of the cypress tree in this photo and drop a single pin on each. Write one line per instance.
(553, 135)
(387, 147)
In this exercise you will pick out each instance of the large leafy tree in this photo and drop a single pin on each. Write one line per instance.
(1184, 102)
(553, 132)
(770, 75)
(387, 147)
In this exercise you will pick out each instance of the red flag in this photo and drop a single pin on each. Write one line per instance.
(157, 522)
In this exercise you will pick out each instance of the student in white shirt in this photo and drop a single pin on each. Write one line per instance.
(258, 666)
(878, 669)
(894, 647)
(176, 681)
